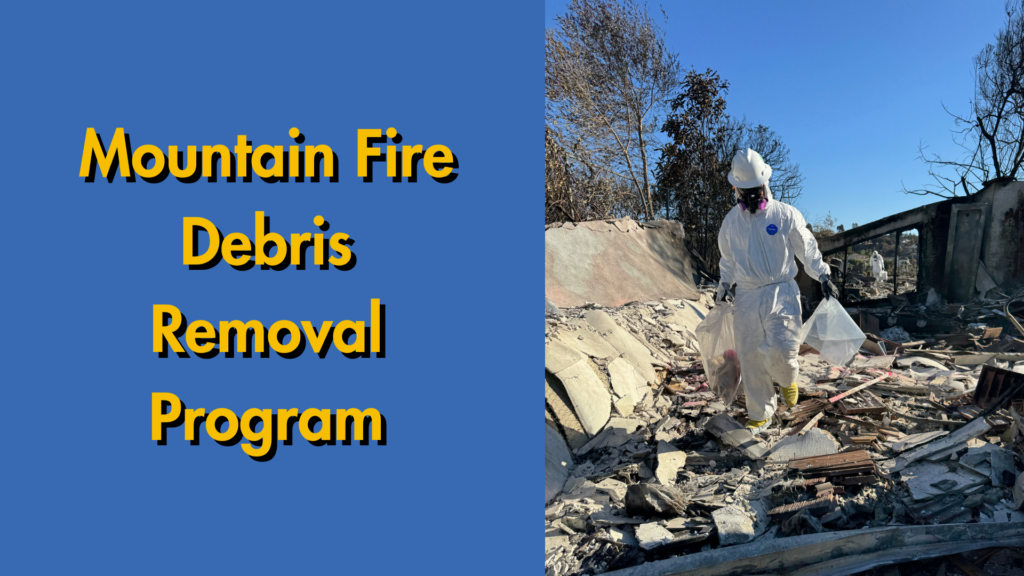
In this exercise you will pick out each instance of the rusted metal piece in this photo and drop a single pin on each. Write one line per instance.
(863, 479)
(846, 468)
(995, 382)
(831, 461)
(863, 402)
(805, 505)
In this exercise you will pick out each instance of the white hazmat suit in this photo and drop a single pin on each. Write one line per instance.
(878, 267)
(758, 253)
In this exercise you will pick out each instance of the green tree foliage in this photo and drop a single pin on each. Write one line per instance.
(703, 138)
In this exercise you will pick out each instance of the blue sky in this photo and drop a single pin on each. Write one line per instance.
(851, 88)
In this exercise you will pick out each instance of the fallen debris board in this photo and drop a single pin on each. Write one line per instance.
(972, 359)
(805, 410)
(972, 430)
(917, 439)
(915, 419)
(808, 425)
(836, 553)
(734, 434)
(839, 397)
(937, 506)
(561, 408)
(632, 349)
(920, 360)
(650, 500)
(926, 480)
(816, 442)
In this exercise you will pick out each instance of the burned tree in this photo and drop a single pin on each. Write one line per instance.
(608, 75)
(992, 132)
(691, 171)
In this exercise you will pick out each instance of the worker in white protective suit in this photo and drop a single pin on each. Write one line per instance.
(878, 267)
(758, 240)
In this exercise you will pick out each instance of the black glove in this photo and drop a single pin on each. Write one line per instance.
(723, 295)
(828, 287)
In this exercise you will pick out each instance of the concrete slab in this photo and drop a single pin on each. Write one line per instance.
(670, 460)
(561, 408)
(652, 535)
(814, 442)
(587, 341)
(558, 357)
(735, 525)
(615, 262)
(626, 380)
(686, 317)
(625, 406)
(591, 401)
(624, 343)
(552, 542)
(613, 488)
(623, 536)
(627, 425)
(608, 438)
(557, 463)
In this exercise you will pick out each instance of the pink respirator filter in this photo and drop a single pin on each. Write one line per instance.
(760, 205)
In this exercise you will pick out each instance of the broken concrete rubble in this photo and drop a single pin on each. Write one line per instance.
(590, 399)
(678, 471)
(631, 349)
(557, 463)
(626, 380)
(670, 460)
(815, 442)
(652, 535)
(738, 524)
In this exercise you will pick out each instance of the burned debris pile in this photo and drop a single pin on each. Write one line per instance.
(650, 472)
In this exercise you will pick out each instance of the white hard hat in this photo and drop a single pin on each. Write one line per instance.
(749, 170)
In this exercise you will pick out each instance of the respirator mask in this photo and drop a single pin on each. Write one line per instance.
(753, 199)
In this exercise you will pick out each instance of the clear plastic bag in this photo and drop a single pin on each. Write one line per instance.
(832, 332)
(717, 343)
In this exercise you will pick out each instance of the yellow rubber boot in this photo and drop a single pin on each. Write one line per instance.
(757, 426)
(790, 394)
